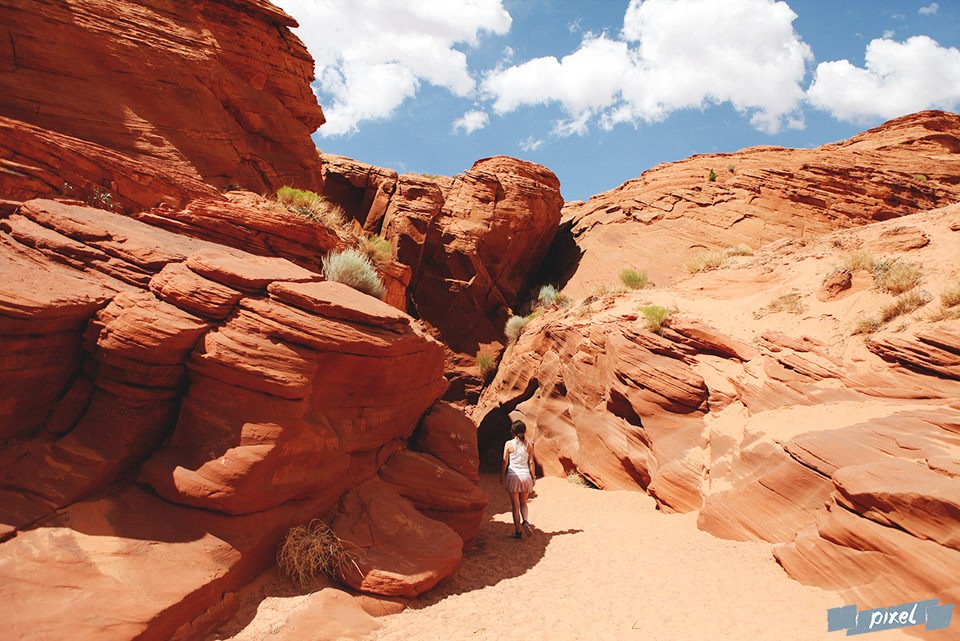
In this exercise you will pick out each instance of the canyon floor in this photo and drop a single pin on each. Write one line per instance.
(600, 565)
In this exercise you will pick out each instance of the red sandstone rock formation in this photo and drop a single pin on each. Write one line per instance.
(783, 426)
(673, 212)
(242, 385)
(152, 104)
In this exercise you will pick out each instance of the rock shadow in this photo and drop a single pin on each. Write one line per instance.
(496, 555)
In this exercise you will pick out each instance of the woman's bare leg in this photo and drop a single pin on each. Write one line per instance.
(515, 502)
(523, 507)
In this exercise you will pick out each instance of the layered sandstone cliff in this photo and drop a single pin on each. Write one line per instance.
(153, 103)
(790, 395)
(759, 195)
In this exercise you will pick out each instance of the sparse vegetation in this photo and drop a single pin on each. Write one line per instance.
(922, 178)
(904, 304)
(655, 316)
(312, 206)
(102, 199)
(633, 279)
(895, 276)
(548, 294)
(712, 176)
(377, 249)
(859, 261)
(485, 363)
(352, 267)
(950, 297)
(791, 302)
(944, 313)
(713, 260)
(867, 325)
(732, 168)
(575, 478)
(706, 262)
(313, 549)
(514, 328)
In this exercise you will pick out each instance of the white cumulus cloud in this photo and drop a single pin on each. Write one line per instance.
(471, 121)
(372, 55)
(898, 78)
(671, 54)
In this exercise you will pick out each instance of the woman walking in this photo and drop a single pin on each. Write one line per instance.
(517, 474)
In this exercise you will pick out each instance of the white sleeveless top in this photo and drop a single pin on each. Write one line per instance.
(519, 459)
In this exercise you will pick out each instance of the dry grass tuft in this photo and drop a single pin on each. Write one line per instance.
(313, 206)
(895, 276)
(352, 267)
(904, 304)
(950, 297)
(859, 261)
(312, 549)
(713, 260)
(791, 302)
(377, 248)
(867, 326)
(514, 328)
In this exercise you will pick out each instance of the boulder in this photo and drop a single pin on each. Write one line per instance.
(398, 551)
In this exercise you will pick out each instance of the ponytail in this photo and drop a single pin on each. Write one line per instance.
(519, 430)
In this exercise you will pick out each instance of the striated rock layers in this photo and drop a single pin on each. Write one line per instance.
(169, 406)
(776, 421)
(673, 212)
(128, 105)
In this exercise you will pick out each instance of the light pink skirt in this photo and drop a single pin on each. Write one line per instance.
(518, 483)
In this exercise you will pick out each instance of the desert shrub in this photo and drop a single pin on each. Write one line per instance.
(377, 248)
(921, 177)
(790, 302)
(712, 176)
(950, 297)
(312, 206)
(712, 260)
(313, 549)
(575, 478)
(485, 363)
(655, 315)
(547, 295)
(896, 276)
(598, 292)
(514, 328)
(633, 279)
(550, 295)
(944, 313)
(298, 197)
(706, 262)
(904, 304)
(859, 260)
(867, 326)
(353, 268)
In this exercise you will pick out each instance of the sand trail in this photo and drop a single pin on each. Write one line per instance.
(608, 565)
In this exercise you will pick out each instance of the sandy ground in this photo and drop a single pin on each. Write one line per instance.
(608, 565)
(601, 566)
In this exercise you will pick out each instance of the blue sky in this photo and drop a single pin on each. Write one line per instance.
(599, 91)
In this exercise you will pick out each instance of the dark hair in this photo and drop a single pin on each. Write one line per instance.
(518, 428)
